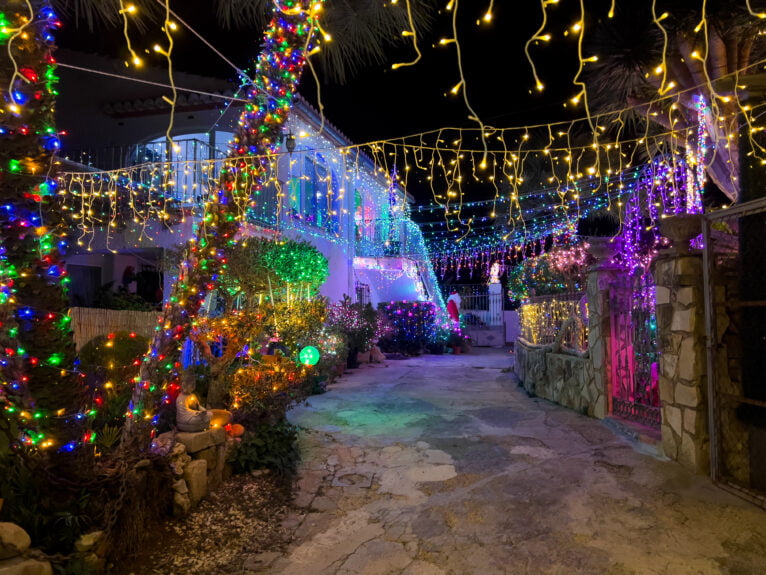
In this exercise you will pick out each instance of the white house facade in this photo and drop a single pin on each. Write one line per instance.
(135, 176)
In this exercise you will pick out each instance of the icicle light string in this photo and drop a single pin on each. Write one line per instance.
(445, 173)
(146, 188)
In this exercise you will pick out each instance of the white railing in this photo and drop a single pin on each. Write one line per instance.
(481, 310)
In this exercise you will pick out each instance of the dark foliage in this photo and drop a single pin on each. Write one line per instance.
(267, 446)
(599, 223)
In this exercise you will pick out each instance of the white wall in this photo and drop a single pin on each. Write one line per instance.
(83, 96)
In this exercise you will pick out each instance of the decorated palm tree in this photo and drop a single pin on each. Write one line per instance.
(46, 455)
(672, 65)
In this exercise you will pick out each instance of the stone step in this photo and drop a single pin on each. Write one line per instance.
(487, 337)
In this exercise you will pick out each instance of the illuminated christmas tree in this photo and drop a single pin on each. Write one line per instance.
(42, 394)
(46, 451)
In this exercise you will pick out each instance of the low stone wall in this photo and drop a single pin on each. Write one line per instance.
(15, 553)
(198, 463)
(563, 378)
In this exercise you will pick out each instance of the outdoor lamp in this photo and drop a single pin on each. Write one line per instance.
(290, 142)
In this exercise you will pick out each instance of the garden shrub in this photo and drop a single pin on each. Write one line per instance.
(268, 446)
(360, 325)
(53, 518)
(413, 326)
(561, 270)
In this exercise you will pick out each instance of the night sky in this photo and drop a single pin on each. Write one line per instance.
(381, 103)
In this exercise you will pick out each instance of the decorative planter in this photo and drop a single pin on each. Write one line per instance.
(681, 229)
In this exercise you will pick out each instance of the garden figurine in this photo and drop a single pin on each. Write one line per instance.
(453, 306)
(191, 416)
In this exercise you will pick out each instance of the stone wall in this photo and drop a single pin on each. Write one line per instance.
(681, 332)
(560, 377)
(583, 383)
(198, 463)
(734, 435)
(16, 556)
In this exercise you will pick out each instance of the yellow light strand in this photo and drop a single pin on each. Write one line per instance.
(535, 38)
(412, 32)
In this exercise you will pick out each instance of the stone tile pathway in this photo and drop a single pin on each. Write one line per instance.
(441, 465)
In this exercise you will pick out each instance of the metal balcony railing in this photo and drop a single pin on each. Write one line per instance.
(184, 150)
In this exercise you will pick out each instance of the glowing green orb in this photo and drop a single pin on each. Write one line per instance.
(309, 355)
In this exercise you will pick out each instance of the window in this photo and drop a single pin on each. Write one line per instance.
(336, 205)
(188, 179)
(314, 191)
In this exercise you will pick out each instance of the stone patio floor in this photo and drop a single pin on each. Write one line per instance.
(441, 464)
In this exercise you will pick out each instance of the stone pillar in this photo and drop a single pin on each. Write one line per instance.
(681, 341)
(495, 304)
(601, 277)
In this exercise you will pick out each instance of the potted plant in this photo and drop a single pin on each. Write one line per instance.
(439, 341)
(458, 341)
(599, 229)
(681, 229)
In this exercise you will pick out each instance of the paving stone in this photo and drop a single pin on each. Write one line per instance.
(447, 493)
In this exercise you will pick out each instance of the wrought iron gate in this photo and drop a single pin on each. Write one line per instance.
(735, 312)
(634, 354)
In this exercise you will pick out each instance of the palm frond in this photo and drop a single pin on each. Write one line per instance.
(243, 14)
(628, 47)
(363, 31)
(94, 13)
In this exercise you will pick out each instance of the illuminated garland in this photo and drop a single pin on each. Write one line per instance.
(641, 196)
(541, 321)
(42, 397)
